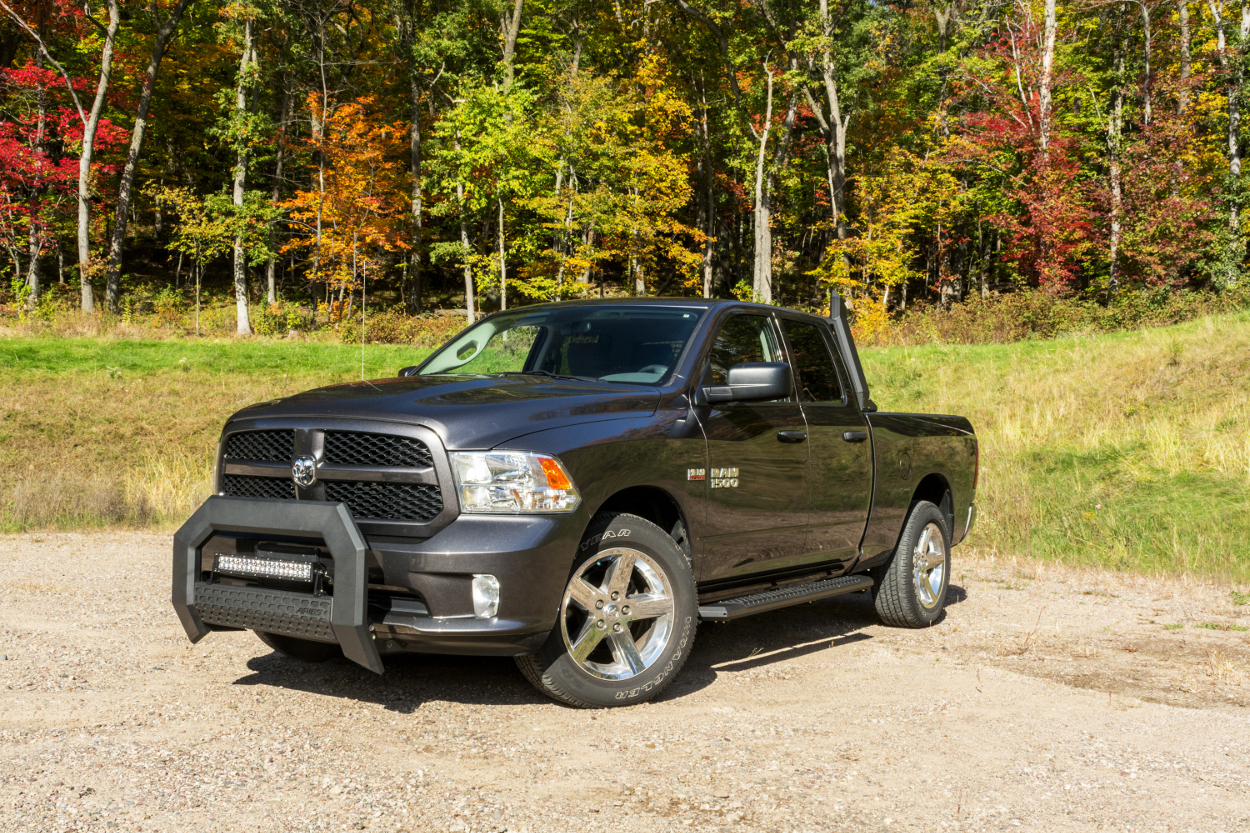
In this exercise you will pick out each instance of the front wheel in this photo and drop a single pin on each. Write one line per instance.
(912, 589)
(627, 619)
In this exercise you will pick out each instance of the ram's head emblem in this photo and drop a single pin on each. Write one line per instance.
(304, 471)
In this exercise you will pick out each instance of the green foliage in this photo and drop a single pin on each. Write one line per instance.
(392, 326)
(279, 319)
(1039, 315)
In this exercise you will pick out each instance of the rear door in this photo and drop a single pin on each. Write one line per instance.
(757, 458)
(840, 467)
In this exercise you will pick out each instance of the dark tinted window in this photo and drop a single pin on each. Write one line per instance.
(635, 344)
(743, 338)
(818, 378)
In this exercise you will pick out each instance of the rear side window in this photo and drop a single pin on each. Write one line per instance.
(742, 338)
(818, 378)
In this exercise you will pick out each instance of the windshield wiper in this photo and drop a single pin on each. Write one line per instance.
(545, 373)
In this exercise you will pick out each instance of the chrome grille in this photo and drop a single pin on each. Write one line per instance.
(353, 448)
(271, 488)
(262, 446)
(387, 501)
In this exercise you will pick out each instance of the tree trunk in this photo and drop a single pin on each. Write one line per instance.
(707, 207)
(1182, 96)
(465, 249)
(834, 130)
(503, 261)
(35, 232)
(1233, 66)
(468, 264)
(1115, 124)
(1235, 91)
(1146, 95)
(126, 185)
(247, 66)
(271, 268)
(1186, 68)
(1044, 89)
(85, 272)
(414, 139)
(942, 19)
(511, 29)
(762, 269)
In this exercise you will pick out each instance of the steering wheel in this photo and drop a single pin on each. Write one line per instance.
(653, 368)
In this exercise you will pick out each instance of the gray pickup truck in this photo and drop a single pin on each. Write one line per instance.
(578, 485)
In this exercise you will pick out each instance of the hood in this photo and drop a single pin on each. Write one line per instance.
(468, 412)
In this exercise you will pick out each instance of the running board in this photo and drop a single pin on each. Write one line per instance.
(728, 609)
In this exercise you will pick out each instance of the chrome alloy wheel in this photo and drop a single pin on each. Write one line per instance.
(928, 563)
(617, 614)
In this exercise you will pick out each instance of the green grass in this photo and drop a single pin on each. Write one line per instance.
(1127, 450)
(24, 358)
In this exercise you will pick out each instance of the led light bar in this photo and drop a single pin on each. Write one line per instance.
(236, 565)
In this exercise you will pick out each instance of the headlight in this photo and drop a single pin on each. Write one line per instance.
(512, 482)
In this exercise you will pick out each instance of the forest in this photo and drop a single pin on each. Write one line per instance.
(411, 155)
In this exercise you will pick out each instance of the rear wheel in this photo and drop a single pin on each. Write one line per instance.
(627, 620)
(304, 650)
(911, 591)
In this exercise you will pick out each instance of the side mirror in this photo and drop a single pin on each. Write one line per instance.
(410, 370)
(753, 382)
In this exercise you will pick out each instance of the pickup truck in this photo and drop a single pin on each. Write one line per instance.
(578, 485)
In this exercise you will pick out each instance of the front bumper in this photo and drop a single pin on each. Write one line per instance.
(339, 619)
(530, 555)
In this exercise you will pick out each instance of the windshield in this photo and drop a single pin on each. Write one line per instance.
(635, 344)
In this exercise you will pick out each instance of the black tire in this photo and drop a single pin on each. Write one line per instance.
(607, 674)
(904, 596)
(304, 650)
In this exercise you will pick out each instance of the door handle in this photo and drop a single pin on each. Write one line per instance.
(854, 436)
(791, 436)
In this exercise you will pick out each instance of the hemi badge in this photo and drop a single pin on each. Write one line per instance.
(696, 474)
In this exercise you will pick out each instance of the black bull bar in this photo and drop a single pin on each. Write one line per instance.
(339, 618)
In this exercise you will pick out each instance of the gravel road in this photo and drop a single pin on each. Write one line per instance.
(1047, 699)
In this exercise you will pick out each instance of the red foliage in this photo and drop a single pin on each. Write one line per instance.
(39, 164)
(1050, 226)
(1052, 236)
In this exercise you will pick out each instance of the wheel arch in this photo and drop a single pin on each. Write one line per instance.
(936, 489)
(653, 504)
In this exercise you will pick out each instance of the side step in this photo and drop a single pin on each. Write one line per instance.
(727, 609)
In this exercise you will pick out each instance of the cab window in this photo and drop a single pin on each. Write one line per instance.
(818, 376)
(742, 338)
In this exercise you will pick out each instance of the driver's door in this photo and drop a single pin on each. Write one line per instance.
(758, 457)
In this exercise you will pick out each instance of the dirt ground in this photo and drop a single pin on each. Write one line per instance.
(1047, 699)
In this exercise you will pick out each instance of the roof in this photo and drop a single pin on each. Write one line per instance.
(706, 303)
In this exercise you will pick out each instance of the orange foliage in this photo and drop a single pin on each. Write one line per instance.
(356, 208)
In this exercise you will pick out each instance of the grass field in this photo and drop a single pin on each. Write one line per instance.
(102, 431)
(1129, 450)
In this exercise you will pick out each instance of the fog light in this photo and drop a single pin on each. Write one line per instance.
(485, 596)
